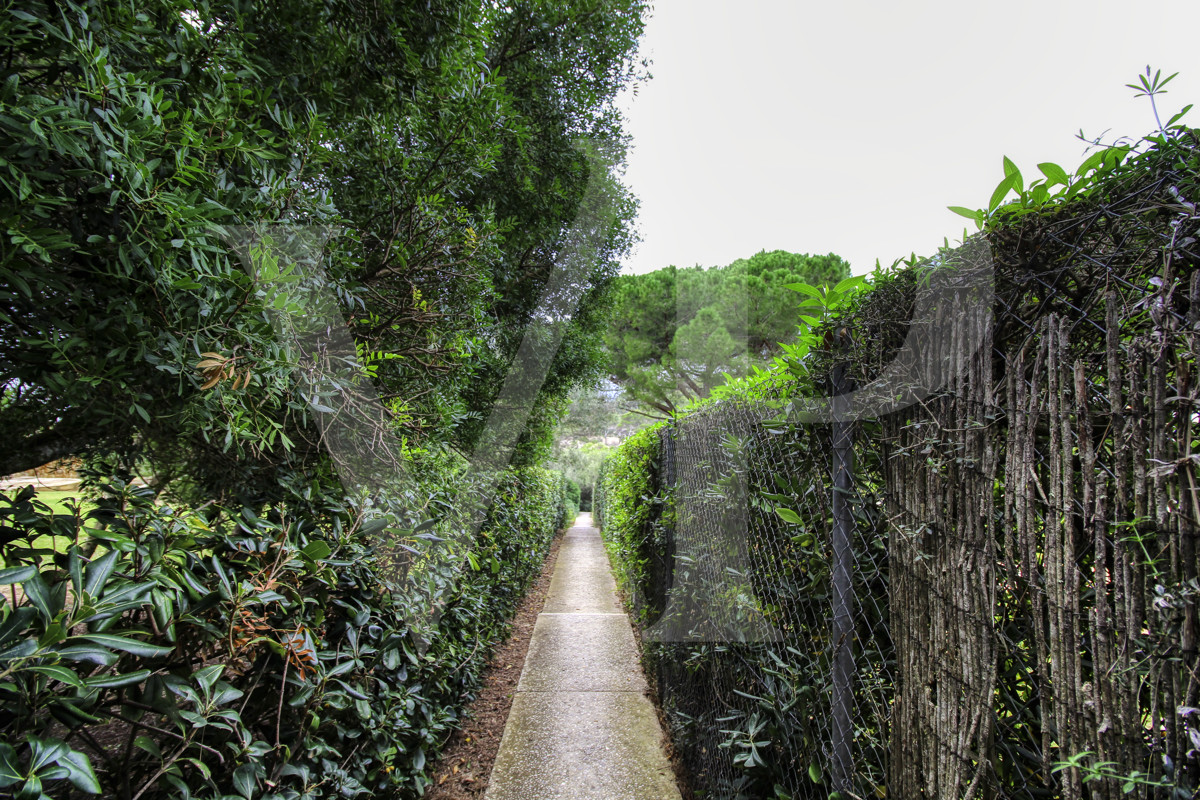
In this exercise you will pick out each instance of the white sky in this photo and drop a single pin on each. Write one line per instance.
(848, 127)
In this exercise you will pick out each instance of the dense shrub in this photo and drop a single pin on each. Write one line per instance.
(154, 651)
(252, 626)
(630, 509)
(1023, 585)
(572, 497)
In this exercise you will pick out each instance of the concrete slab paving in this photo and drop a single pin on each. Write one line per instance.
(581, 725)
(582, 580)
(581, 746)
(582, 653)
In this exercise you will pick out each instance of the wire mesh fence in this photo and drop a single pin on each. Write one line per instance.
(1023, 558)
(742, 643)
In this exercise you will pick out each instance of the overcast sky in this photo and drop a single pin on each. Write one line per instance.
(848, 127)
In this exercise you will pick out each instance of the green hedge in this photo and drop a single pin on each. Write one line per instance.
(213, 653)
(572, 497)
(632, 511)
(933, 495)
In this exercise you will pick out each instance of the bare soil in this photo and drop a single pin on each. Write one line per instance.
(463, 771)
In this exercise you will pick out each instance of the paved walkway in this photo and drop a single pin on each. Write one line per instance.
(7, 484)
(581, 726)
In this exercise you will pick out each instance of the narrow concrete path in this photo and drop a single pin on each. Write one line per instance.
(581, 726)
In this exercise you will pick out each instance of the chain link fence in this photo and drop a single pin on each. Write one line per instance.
(742, 642)
(1023, 565)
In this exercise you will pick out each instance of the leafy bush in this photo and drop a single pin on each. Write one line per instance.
(148, 650)
(581, 464)
(250, 627)
(630, 511)
(571, 497)
(1101, 263)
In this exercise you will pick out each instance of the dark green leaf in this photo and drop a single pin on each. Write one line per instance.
(226, 586)
(44, 751)
(79, 771)
(55, 672)
(18, 621)
(149, 745)
(126, 644)
(112, 681)
(88, 652)
(16, 574)
(75, 569)
(22, 649)
(10, 770)
(98, 571)
(207, 677)
(243, 780)
(40, 595)
(316, 550)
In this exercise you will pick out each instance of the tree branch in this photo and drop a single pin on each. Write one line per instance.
(61, 441)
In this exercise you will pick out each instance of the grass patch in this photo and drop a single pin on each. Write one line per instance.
(57, 499)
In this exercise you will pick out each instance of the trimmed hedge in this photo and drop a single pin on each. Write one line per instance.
(632, 511)
(1023, 581)
(572, 497)
(155, 651)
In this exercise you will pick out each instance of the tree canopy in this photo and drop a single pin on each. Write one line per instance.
(438, 139)
(676, 333)
(229, 226)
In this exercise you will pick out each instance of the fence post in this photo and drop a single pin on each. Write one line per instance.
(670, 479)
(843, 589)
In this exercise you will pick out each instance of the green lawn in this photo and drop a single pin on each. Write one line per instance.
(57, 500)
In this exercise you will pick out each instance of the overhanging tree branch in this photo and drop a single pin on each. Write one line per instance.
(65, 439)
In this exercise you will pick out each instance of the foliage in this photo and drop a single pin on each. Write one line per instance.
(1101, 263)
(1093, 770)
(676, 333)
(165, 652)
(596, 414)
(1094, 173)
(573, 497)
(630, 515)
(444, 148)
(247, 620)
(774, 694)
(790, 373)
(580, 464)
